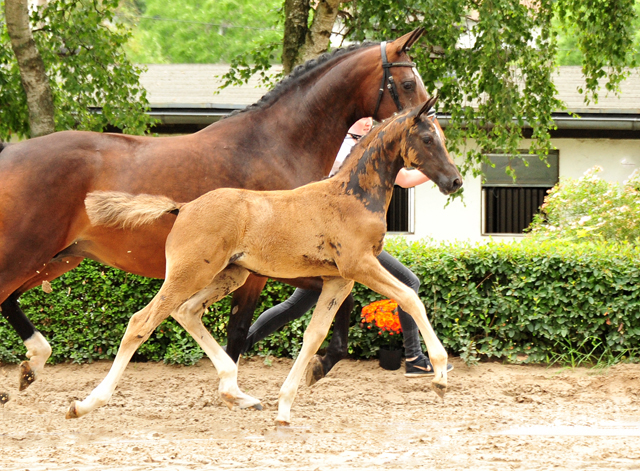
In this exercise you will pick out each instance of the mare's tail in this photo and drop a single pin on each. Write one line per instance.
(122, 210)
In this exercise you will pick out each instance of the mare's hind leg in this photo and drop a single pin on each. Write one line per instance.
(319, 366)
(334, 291)
(243, 306)
(38, 349)
(189, 315)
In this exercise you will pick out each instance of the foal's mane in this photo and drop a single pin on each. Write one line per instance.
(299, 73)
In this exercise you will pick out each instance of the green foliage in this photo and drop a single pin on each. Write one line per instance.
(590, 209)
(491, 62)
(606, 34)
(193, 31)
(532, 301)
(82, 49)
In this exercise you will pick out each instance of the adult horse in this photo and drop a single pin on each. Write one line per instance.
(287, 139)
(333, 228)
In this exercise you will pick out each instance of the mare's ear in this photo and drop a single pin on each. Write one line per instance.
(426, 106)
(403, 43)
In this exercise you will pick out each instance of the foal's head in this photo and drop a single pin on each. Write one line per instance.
(424, 149)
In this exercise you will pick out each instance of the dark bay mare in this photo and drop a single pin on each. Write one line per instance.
(287, 139)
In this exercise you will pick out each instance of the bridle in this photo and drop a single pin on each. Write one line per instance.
(388, 78)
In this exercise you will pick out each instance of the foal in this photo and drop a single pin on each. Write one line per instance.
(338, 230)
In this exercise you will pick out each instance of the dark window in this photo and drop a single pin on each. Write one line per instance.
(509, 206)
(400, 210)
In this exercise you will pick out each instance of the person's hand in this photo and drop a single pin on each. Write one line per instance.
(409, 178)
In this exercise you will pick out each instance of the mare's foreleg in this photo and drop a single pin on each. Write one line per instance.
(243, 306)
(189, 315)
(373, 275)
(319, 366)
(334, 291)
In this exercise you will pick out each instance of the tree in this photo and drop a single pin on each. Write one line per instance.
(93, 84)
(33, 75)
(303, 41)
(490, 61)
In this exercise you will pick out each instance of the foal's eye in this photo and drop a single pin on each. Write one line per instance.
(427, 140)
(408, 85)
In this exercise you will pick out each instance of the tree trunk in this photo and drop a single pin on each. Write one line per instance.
(318, 36)
(295, 31)
(34, 78)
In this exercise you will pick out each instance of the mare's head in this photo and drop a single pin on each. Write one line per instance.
(423, 148)
(392, 78)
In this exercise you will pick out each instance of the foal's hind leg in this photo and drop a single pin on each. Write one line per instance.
(189, 315)
(334, 291)
(140, 327)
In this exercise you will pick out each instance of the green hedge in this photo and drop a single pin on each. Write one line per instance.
(523, 301)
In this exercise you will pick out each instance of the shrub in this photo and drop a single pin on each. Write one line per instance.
(590, 209)
(529, 301)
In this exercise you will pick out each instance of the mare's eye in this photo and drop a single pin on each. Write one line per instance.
(427, 140)
(409, 85)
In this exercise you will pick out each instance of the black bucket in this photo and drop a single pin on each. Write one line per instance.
(390, 359)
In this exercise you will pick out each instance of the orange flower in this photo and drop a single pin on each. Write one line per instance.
(383, 314)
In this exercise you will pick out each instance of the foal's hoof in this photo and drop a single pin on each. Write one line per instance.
(4, 398)
(315, 371)
(72, 413)
(257, 406)
(242, 402)
(282, 423)
(27, 375)
(439, 389)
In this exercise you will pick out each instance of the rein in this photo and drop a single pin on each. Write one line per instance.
(387, 78)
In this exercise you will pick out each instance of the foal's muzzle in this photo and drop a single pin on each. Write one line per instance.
(451, 186)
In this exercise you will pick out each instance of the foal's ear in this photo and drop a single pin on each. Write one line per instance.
(403, 43)
(427, 106)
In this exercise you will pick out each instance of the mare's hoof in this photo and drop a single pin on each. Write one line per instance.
(4, 398)
(315, 371)
(72, 413)
(27, 375)
(282, 423)
(439, 389)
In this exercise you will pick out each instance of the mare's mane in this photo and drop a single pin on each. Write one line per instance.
(300, 72)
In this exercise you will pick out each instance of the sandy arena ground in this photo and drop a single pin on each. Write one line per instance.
(360, 417)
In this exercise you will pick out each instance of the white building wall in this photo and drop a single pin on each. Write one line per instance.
(463, 220)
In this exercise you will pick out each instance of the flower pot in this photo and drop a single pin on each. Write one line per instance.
(390, 359)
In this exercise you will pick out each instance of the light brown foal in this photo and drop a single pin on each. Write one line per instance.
(333, 228)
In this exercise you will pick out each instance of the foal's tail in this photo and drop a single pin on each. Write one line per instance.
(123, 210)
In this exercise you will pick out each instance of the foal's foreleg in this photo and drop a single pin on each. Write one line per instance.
(189, 315)
(334, 291)
(373, 275)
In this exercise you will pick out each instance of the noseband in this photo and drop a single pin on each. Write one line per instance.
(388, 78)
